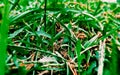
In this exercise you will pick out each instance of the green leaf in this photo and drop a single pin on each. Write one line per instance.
(3, 36)
(41, 33)
(110, 33)
(78, 50)
(91, 67)
(12, 19)
(16, 33)
(24, 3)
(58, 35)
(22, 70)
(90, 42)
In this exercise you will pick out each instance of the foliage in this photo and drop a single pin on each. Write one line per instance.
(64, 37)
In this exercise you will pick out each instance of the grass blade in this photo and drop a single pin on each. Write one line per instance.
(3, 37)
(78, 50)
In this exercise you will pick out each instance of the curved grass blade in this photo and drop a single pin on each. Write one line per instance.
(12, 19)
(62, 25)
(21, 48)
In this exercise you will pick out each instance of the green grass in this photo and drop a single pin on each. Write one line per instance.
(59, 37)
(3, 36)
(78, 50)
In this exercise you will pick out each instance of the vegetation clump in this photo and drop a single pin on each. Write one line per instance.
(59, 37)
